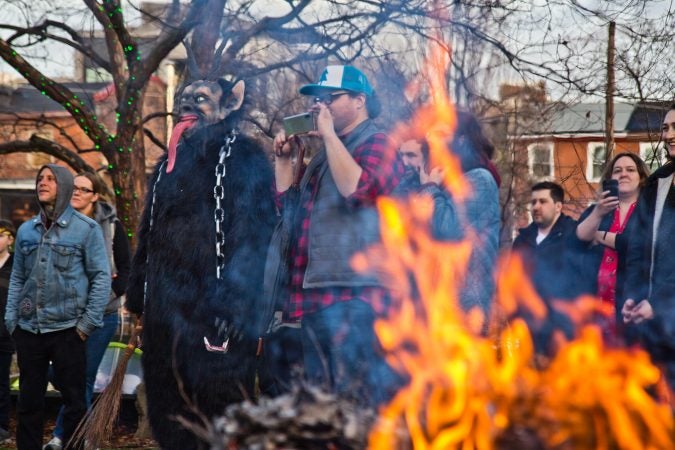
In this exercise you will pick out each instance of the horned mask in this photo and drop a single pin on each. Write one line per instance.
(203, 101)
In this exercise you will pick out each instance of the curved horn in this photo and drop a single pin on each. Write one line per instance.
(193, 69)
(215, 72)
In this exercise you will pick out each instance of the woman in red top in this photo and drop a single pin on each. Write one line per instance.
(603, 226)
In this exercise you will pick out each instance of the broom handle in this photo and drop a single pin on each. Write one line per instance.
(135, 337)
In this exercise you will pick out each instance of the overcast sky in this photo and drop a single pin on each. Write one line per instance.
(57, 60)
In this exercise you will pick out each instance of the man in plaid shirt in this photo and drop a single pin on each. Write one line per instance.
(334, 219)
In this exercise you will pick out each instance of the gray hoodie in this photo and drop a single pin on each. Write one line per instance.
(64, 192)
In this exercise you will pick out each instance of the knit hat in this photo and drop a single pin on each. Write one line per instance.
(7, 227)
(339, 77)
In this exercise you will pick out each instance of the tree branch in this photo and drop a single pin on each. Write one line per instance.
(38, 144)
(156, 115)
(169, 38)
(154, 139)
(118, 66)
(58, 92)
(76, 43)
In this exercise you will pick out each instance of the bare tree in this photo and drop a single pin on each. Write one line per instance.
(131, 66)
(277, 44)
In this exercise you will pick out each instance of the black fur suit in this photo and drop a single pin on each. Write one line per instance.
(184, 297)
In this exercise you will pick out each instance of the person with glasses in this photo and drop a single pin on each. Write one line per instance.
(603, 232)
(335, 218)
(87, 199)
(58, 290)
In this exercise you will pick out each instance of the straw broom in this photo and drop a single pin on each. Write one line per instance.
(97, 424)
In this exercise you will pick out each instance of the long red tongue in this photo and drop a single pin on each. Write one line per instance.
(185, 123)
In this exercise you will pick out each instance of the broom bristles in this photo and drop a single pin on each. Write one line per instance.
(97, 425)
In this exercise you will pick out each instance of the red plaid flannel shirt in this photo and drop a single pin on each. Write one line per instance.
(374, 181)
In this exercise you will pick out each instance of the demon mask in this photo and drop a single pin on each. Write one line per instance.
(203, 103)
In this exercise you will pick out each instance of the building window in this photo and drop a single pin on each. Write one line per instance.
(540, 159)
(595, 160)
(653, 154)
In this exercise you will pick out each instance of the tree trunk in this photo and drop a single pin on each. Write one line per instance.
(128, 175)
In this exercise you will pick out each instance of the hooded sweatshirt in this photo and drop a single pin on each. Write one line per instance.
(61, 276)
(64, 192)
(117, 249)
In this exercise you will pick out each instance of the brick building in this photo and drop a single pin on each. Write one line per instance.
(25, 112)
(566, 144)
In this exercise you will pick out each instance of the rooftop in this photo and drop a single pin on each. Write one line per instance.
(27, 99)
(589, 118)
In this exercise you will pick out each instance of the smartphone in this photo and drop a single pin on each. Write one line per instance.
(299, 124)
(612, 186)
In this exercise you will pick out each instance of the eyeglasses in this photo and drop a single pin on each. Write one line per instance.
(83, 190)
(327, 99)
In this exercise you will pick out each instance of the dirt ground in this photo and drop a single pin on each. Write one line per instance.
(123, 436)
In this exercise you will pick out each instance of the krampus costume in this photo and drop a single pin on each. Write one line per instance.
(197, 273)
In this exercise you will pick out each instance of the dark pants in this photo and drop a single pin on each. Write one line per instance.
(5, 363)
(281, 361)
(66, 351)
(341, 351)
(97, 344)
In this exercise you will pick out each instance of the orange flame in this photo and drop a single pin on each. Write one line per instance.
(467, 390)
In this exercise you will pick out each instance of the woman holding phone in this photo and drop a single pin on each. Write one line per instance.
(604, 229)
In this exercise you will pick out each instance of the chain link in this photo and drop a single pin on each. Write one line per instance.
(219, 195)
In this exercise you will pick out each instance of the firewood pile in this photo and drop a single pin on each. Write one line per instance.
(305, 419)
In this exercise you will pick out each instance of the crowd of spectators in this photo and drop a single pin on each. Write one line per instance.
(71, 261)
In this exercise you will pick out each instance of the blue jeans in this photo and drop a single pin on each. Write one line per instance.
(342, 352)
(97, 344)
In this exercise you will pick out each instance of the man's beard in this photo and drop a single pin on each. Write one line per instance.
(411, 171)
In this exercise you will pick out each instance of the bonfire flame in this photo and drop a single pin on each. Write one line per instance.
(467, 390)
(471, 391)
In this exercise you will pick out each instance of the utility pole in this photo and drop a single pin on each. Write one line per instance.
(609, 96)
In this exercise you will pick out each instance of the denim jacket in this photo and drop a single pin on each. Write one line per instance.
(61, 276)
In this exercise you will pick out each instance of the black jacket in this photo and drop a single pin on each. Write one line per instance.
(6, 343)
(549, 263)
(659, 332)
(588, 264)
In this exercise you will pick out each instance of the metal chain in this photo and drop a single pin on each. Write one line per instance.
(219, 195)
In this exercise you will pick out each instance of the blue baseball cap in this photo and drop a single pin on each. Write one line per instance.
(348, 78)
